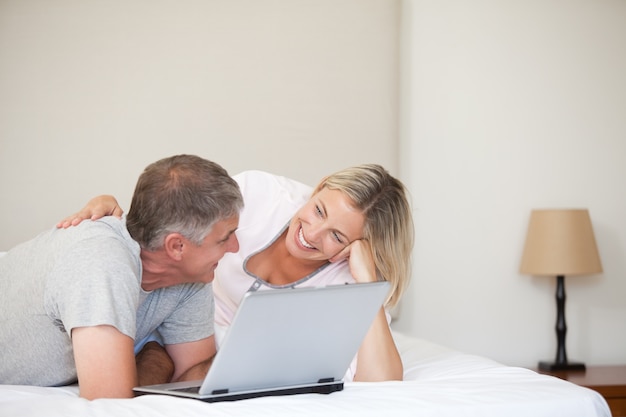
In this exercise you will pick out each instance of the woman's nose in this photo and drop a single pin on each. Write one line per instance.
(314, 231)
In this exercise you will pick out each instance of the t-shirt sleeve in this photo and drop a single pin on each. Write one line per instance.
(192, 319)
(95, 283)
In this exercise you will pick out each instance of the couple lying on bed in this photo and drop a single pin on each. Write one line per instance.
(355, 226)
(347, 210)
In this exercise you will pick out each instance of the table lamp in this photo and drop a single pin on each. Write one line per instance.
(560, 243)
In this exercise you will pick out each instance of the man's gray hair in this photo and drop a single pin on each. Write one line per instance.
(182, 194)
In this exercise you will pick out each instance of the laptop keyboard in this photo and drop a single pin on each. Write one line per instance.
(192, 390)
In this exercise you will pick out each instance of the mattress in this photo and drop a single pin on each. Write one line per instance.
(438, 381)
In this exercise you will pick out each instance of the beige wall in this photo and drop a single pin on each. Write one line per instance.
(509, 106)
(91, 92)
(505, 106)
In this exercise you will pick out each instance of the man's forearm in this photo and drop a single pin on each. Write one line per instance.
(198, 371)
(154, 365)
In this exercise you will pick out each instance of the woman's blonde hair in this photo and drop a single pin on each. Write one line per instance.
(388, 220)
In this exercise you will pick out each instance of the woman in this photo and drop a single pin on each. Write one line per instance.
(355, 226)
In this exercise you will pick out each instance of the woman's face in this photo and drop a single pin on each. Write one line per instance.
(324, 226)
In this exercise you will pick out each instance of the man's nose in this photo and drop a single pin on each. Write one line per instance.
(232, 244)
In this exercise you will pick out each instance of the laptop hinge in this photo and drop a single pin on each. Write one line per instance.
(325, 380)
(219, 391)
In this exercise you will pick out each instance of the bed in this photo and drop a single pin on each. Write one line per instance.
(438, 382)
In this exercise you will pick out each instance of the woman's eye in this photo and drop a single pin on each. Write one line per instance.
(337, 237)
(319, 211)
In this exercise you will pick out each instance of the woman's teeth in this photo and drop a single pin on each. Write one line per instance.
(304, 242)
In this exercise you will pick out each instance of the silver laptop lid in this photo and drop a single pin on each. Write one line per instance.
(288, 337)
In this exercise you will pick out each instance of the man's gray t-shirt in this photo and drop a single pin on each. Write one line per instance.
(88, 275)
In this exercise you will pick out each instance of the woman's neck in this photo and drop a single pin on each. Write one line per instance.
(277, 266)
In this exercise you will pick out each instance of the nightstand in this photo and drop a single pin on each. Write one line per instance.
(609, 381)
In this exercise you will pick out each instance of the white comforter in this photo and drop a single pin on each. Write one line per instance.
(438, 382)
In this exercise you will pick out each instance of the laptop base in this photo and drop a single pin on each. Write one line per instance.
(235, 396)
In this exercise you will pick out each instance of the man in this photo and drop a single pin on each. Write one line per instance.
(74, 302)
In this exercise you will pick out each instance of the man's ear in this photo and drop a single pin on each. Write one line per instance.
(174, 245)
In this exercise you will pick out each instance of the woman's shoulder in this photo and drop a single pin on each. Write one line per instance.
(262, 183)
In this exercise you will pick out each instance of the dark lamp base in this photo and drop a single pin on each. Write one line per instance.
(567, 366)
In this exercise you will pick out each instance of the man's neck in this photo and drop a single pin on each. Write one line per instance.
(157, 270)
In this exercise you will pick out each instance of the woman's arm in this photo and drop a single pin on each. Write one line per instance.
(378, 358)
(97, 207)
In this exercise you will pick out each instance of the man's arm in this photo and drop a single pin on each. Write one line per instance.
(192, 360)
(105, 362)
(154, 365)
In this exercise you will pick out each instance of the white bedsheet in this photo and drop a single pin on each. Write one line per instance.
(438, 382)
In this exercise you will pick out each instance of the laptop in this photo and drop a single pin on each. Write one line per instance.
(286, 341)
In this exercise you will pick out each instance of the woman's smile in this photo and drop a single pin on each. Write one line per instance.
(303, 242)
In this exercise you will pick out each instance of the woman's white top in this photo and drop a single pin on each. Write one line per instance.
(270, 203)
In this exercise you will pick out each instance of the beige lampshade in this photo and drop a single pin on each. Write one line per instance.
(560, 242)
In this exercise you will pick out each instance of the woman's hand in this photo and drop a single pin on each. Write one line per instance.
(96, 208)
(360, 259)
(378, 358)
